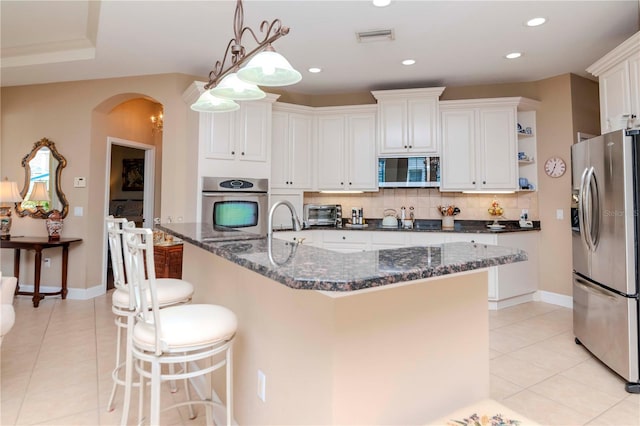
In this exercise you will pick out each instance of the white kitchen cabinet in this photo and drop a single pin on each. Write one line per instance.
(388, 240)
(425, 238)
(346, 241)
(527, 144)
(345, 149)
(479, 144)
(242, 135)
(619, 77)
(300, 237)
(408, 121)
(291, 147)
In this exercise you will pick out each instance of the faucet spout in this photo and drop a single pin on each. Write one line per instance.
(295, 221)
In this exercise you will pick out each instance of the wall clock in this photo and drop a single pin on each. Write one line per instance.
(555, 167)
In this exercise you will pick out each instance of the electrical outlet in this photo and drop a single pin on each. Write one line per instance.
(262, 386)
(47, 262)
(559, 214)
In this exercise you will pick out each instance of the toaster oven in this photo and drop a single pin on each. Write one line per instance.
(322, 215)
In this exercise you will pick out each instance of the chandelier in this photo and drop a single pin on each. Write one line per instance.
(229, 82)
(157, 123)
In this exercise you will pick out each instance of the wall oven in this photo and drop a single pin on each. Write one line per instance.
(236, 203)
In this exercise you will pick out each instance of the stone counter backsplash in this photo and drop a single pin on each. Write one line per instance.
(426, 200)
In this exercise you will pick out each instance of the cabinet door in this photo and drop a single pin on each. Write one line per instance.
(393, 130)
(458, 169)
(300, 139)
(254, 129)
(280, 155)
(634, 80)
(421, 125)
(220, 131)
(361, 167)
(615, 98)
(498, 155)
(331, 152)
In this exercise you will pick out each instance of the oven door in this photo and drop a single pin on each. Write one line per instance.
(241, 211)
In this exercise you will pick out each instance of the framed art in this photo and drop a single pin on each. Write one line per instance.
(133, 174)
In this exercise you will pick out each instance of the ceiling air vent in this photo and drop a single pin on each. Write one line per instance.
(377, 35)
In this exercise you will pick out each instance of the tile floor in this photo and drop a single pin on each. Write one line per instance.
(56, 368)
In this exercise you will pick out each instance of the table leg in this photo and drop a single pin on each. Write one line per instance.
(16, 268)
(36, 284)
(65, 261)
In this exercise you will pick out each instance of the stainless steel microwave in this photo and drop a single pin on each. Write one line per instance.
(409, 172)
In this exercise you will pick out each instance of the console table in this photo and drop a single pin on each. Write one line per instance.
(38, 244)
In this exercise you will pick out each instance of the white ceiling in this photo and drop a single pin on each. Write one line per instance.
(454, 43)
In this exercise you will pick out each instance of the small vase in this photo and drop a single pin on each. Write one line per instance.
(54, 225)
(447, 222)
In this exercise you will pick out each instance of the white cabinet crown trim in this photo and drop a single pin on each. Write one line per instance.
(406, 93)
(623, 51)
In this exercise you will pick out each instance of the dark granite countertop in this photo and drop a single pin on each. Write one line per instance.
(435, 225)
(304, 267)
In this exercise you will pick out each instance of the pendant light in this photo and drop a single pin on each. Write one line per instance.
(209, 103)
(269, 68)
(231, 87)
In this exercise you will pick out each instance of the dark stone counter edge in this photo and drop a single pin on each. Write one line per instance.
(350, 285)
(435, 225)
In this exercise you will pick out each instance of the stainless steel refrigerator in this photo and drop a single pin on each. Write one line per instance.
(606, 227)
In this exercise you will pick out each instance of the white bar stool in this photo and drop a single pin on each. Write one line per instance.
(170, 292)
(186, 334)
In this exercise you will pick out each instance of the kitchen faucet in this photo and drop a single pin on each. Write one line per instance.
(295, 221)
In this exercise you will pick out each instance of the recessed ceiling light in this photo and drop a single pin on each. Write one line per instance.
(513, 55)
(381, 3)
(315, 70)
(408, 62)
(536, 21)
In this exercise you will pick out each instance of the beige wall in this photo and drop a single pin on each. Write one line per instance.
(76, 116)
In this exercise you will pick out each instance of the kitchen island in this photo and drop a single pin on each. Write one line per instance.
(387, 336)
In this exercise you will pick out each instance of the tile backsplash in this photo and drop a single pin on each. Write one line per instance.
(426, 200)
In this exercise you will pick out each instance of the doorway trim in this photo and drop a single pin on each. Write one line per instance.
(148, 191)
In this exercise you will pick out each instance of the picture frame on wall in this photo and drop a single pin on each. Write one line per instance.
(133, 174)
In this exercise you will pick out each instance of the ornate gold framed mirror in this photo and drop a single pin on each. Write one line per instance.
(42, 191)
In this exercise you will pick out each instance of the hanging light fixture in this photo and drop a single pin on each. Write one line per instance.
(231, 87)
(265, 68)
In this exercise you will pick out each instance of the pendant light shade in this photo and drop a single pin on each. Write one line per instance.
(231, 87)
(209, 103)
(269, 68)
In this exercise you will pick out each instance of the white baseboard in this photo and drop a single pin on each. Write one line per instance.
(539, 296)
(73, 293)
(554, 298)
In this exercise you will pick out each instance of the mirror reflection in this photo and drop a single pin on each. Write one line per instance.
(42, 192)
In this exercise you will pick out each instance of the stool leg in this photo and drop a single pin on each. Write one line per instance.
(111, 403)
(172, 383)
(154, 416)
(128, 371)
(187, 392)
(229, 372)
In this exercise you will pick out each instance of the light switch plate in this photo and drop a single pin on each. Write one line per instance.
(79, 182)
(78, 211)
(559, 214)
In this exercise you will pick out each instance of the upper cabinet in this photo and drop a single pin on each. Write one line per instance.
(408, 121)
(346, 148)
(619, 76)
(241, 135)
(480, 145)
(291, 147)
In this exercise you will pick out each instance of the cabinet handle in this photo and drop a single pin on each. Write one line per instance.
(344, 238)
(410, 146)
(484, 182)
(291, 182)
(341, 183)
(405, 146)
(233, 153)
(473, 183)
(242, 153)
(350, 183)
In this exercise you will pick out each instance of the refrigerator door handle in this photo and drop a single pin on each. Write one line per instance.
(590, 288)
(582, 211)
(594, 229)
